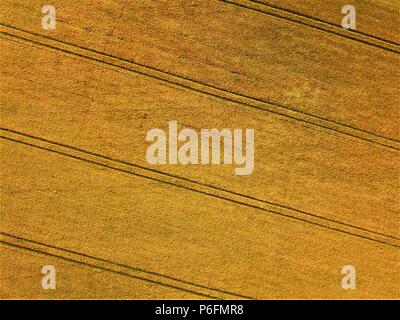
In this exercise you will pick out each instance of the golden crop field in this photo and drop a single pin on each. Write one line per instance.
(78, 192)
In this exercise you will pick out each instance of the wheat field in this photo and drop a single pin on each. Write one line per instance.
(77, 192)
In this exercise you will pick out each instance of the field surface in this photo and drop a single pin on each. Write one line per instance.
(77, 191)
